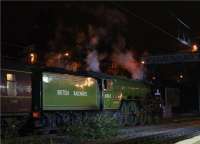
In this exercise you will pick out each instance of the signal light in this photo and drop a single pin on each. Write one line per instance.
(36, 114)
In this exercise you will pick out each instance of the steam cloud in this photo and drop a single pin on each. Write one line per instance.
(99, 40)
(127, 61)
(92, 61)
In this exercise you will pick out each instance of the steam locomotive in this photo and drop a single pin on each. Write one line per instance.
(48, 97)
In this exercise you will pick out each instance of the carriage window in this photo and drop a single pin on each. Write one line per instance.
(107, 84)
(14, 83)
(11, 84)
(10, 77)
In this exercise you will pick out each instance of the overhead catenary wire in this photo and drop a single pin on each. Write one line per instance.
(179, 20)
(149, 23)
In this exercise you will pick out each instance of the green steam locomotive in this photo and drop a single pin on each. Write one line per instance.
(58, 95)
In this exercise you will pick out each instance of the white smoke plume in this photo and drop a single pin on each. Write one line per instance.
(93, 61)
(127, 61)
(102, 33)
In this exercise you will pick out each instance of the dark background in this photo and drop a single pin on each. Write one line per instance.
(150, 27)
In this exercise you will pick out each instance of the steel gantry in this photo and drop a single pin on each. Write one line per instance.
(171, 58)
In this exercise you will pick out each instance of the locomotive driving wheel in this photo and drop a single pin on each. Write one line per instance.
(130, 112)
(142, 117)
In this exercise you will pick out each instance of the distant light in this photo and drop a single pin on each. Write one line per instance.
(32, 59)
(157, 93)
(66, 54)
(142, 62)
(153, 78)
(194, 48)
(181, 76)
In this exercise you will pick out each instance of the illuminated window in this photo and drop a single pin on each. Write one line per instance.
(10, 77)
(11, 85)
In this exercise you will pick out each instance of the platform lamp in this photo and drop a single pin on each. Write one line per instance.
(32, 56)
(195, 48)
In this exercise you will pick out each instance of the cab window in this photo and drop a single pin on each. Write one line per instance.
(107, 84)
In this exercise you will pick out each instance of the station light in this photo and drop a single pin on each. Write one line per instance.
(181, 76)
(153, 78)
(66, 54)
(194, 48)
(142, 62)
(32, 58)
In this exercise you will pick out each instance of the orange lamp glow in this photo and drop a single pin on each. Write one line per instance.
(194, 48)
(32, 58)
(66, 54)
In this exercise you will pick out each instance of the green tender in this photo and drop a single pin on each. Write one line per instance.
(69, 92)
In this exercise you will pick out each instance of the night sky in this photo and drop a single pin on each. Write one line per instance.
(54, 26)
(34, 22)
